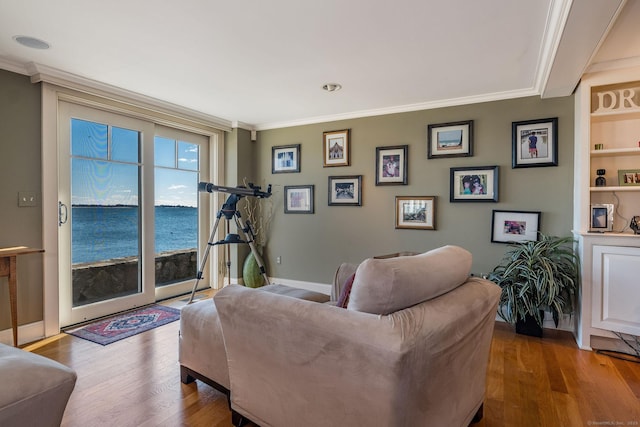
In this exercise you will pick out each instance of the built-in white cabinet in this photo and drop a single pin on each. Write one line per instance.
(607, 137)
(615, 289)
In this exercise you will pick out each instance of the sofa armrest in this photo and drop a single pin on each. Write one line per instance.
(293, 361)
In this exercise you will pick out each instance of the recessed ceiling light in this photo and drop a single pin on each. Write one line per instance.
(31, 42)
(332, 87)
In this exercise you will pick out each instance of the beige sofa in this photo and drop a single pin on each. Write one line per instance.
(411, 349)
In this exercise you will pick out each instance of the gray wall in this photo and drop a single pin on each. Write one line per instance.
(20, 170)
(238, 167)
(312, 246)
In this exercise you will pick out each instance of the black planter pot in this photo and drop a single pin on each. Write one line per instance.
(529, 326)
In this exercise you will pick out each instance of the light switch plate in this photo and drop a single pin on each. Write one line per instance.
(26, 199)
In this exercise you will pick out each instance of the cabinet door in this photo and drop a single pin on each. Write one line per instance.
(616, 289)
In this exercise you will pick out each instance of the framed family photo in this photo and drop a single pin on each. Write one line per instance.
(298, 199)
(285, 158)
(391, 165)
(514, 226)
(336, 148)
(534, 143)
(628, 177)
(601, 218)
(416, 212)
(474, 184)
(450, 140)
(345, 190)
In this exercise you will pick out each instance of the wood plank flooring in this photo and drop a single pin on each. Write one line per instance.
(530, 382)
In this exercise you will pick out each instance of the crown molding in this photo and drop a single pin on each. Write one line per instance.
(614, 65)
(242, 125)
(42, 73)
(557, 18)
(13, 66)
(497, 96)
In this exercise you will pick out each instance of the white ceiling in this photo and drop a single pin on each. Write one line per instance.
(261, 64)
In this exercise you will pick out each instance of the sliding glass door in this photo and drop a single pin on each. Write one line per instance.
(130, 227)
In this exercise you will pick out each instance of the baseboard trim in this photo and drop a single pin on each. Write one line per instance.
(26, 334)
(323, 288)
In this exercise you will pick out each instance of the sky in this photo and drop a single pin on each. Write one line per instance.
(106, 174)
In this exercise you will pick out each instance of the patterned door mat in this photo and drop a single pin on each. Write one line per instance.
(121, 326)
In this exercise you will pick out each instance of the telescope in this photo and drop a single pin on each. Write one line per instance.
(229, 211)
(252, 190)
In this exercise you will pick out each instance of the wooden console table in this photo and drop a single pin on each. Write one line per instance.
(8, 269)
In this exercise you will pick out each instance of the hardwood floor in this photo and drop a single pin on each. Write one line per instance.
(530, 382)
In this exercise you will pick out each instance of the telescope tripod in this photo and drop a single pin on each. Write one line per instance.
(230, 211)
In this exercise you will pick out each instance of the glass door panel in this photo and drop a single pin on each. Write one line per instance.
(101, 243)
(176, 211)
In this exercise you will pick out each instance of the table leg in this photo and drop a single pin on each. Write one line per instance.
(13, 299)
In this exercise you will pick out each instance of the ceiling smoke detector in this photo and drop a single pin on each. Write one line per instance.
(332, 87)
(32, 42)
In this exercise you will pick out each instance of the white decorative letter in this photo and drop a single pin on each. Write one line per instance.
(601, 101)
(630, 93)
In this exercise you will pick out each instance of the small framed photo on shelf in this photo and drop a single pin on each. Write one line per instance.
(391, 165)
(450, 140)
(474, 184)
(601, 218)
(345, 190)
(285, 158)
(416, 212)
(298, 199)
(534, 143)
(628, 177)
(514, 226)
(336, 148)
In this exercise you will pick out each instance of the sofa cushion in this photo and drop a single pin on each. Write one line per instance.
(383, 286)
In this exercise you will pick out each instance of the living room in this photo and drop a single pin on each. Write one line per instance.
(299, 252)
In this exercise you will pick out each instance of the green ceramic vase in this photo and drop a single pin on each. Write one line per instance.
(251, 274)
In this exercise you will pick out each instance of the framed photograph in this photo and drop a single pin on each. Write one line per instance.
(336, 148)
(298, 199)
(285, 158)
(474, 184)
(391, 165)
(514, 226)
(416, 212)
(601, 218)
(450, 140)
(534, 143)
(628, 177)
(345, 190)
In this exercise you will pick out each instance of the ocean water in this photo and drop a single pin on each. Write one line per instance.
(105, 232)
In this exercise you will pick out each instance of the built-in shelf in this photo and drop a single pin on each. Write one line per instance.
(609, 234)
(612, 188)
(611, 152)
(614, 115)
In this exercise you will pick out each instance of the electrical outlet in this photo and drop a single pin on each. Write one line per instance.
(26, 199)
(278, 260)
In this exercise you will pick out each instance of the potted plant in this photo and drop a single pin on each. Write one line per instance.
(536, 276)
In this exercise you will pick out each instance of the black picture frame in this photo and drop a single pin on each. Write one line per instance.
(453, 139)
(298, 199)
(514, 226)
(285, 159)
(345, 190)
(534, 143)
(474, 184)
(391, 165)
